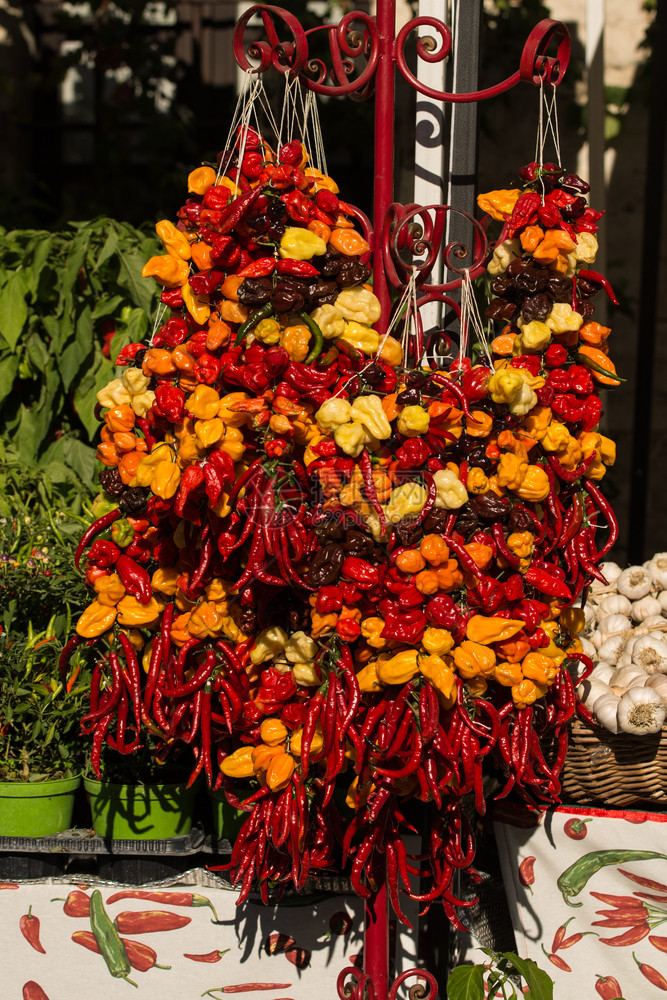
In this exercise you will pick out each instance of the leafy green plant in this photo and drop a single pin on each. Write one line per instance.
(40, 714)
(501, 976)
(68, 302)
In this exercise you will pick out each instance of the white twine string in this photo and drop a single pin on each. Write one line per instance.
(550, 128)
(471, 319)
(157, 323)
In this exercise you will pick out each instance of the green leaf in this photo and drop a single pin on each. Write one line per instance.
(75, 259)
(109, 249)
(141, 291)
(539, 983)
(43, 244)
(75, 358)
(13, 307)
(107, 306)
(35, 421)
(466, 982)
(9, 365)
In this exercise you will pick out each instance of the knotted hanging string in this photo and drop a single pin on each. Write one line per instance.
(412, 325)
(405, 311)
(471, 321)
(300, 119)
(251, 103)
(548, 108)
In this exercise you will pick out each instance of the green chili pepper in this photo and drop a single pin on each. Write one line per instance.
(108, 940)
(574, 878)
(253, 319)
(318, 338)
(122, 533)
(102, 505)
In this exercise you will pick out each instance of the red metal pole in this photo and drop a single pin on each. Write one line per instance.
(376, 941)
(383, 188)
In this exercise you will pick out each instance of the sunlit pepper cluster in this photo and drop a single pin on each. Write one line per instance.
(326, 582)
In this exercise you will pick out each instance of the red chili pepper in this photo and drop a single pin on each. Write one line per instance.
(524, 212)
(210, 957)
(248, 988)
(29, 927)
(598, 279)
(134, 578)
(140, 956)
(556, 960)
(575, 829)
(653, 976)
(77, 904)
(149, 921)
(167, 898)
(96, 527)
(527, 871)
(547, 584)
(33, 991)
(631, 936)
(297, 268)
(608, 988)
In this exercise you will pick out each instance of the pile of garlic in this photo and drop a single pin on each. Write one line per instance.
(626, 637)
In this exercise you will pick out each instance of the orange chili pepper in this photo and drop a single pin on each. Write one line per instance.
(596, 359)
(410, 561)
(230, 287)
(182, 359)
(201, 179)
(120, 418)
(233, 312)
(201, 255)
(218, 335)
(594, 334)
(503, 344)
(427, 582)
(531, 237)
(320, 229)
(127, 466)
(157, 361)
(348, 242)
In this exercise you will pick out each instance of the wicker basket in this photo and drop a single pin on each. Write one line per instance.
(614, 769)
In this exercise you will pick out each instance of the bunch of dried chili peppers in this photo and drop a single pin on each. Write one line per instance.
(339, 584)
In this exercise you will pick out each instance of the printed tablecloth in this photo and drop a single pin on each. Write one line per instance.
(42, 945)
(587, 890)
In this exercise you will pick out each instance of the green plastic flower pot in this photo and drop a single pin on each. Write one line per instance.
(140, 812)
(226, 819)
(36, 808)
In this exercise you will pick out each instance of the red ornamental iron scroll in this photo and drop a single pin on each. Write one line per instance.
(365, 51)
(372, 40)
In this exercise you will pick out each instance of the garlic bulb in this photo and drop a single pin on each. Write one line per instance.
(650, 653)
(611, 649)
(602, 672)
(615, 604)
(662, 597)
(590, 690)
(605, 711)
(645, 607)
(634, 582)
(587, 647)
(610, 571)
(613, 625)
(659, 683)
(622, 678)
(657, 567)
(641, 711)
(589, 613)
(655, 623)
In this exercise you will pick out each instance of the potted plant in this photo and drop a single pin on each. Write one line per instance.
(41, 751)
(139, 799)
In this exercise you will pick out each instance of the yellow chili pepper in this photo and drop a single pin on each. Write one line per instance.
(301, 244)
(166, 480)
(486, 630)
(263, 755)
(197, 305)
(508, 674)
(511, 470)
(499, 204)
(204, 402)
(368, 411)
(201, 179)
(438, 641)
(526, 692)
(296, 341)
(371, 629)
(174, 241)
(273, 732)
(239, 764)
(133, 612)
(368, 679)
(165, 580)
(168, 271)
(534, 485)
(208, 432)
(96, 619)
(109, 589)
(441, 676)
(297, 737)
(539, 668)
(399, 668)
(473, 659)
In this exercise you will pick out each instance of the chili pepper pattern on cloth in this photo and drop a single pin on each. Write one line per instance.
(597, 912)
(326, 572)
(222, 946)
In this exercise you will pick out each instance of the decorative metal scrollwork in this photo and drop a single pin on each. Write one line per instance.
(418, 232)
